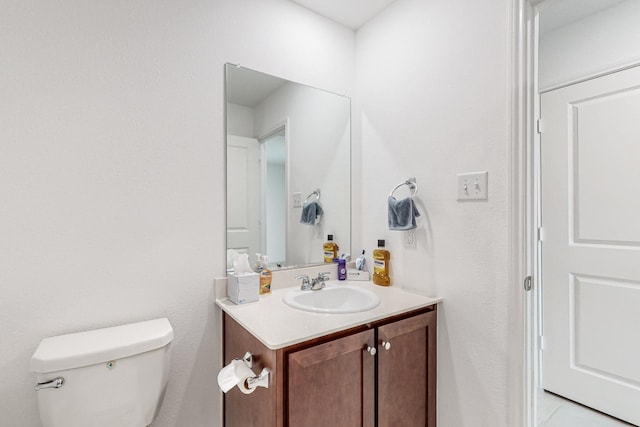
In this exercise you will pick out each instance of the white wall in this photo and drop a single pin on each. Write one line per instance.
(111, 171)
(598, 43)
(433, 101)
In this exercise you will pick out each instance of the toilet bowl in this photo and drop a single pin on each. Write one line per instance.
(103, 378)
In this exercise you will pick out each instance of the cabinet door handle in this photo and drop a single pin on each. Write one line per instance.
(386, 345)
(371, 350)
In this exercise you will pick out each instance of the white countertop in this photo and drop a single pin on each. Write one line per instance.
(278, 325)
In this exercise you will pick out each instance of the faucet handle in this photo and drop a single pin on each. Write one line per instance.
(305, 281)
(324, 275)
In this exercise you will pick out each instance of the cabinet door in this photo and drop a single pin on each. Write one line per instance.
(407, 372)
(332, 384)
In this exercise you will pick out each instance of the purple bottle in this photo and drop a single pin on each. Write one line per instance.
(342, 269)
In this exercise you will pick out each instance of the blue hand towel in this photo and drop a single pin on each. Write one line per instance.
(402, 214)
(311, 213)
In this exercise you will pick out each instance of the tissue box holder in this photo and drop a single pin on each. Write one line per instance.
(353, 274)
(243, 288)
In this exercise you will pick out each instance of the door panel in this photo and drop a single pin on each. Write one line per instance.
(243, 194)
(590, 156)
(598, 350)
(601, 131)
(332, 384)
(407, 372)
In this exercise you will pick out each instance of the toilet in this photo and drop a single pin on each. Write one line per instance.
(103, 378)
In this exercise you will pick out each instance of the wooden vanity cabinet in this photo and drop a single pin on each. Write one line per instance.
(407, 372)
(332, 384)
(381, 374)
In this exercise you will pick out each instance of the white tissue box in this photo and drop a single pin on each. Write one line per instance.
(243, 288)
(353, 274)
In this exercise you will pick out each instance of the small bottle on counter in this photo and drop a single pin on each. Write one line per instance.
(330, 249)
(258, 265)
(342, 269)
(381, 258)
(265, 277)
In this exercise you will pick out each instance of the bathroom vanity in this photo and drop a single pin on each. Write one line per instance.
(371, 368)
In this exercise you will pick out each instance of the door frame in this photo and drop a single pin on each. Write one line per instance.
(524, 213)
(523, 219)
(281, 125)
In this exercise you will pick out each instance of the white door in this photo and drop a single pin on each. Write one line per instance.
(243, 195)
(590, 160)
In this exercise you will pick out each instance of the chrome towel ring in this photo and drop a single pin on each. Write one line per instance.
(411, 183)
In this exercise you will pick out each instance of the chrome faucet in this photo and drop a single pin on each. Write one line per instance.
(316, 284)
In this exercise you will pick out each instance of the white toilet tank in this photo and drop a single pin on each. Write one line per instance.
(103, 378)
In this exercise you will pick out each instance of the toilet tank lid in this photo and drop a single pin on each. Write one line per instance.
(100, 345)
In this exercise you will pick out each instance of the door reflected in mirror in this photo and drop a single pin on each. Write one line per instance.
(275, 196)
(286, 141)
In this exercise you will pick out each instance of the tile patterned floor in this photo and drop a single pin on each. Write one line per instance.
(555, 411)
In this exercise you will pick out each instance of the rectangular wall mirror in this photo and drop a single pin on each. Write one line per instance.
(288, 169)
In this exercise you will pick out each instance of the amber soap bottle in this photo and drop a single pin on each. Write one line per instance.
(265, 277)
(330, 249)
(381, 258)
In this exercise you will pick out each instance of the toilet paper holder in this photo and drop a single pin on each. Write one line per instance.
(261, 380)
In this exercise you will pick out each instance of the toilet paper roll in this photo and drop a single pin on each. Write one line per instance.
(244, 388)
(234, 374)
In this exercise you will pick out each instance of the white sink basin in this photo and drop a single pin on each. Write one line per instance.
(334, 298)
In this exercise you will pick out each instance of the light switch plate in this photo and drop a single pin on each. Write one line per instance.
(297, 200)
(473, 186)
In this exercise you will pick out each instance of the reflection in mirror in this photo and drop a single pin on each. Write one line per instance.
(285, 141)
(275, 196)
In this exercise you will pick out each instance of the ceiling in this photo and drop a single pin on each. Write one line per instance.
(351, 13)
(553, 13)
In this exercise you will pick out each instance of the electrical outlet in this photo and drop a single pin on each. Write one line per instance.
(473, 186)
(410, 238)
